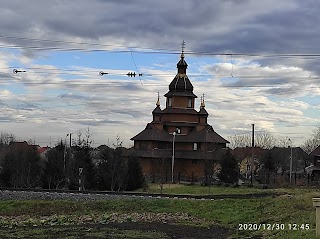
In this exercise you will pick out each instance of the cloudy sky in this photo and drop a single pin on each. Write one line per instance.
(255, 61)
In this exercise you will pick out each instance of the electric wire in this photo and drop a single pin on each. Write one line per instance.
(143, 50)
(127, 49)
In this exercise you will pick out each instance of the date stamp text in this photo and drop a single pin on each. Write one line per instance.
(273, 226)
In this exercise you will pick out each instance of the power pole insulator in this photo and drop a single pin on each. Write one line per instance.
(131, 74)
(103, 73)
(15, 71)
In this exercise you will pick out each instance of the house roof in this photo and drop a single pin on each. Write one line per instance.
(316, 151)
(244, 152)
(42, 149)
(295, 150)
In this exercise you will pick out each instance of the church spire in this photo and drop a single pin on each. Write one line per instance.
(181, 85)
(158, 101)
(202, 101)
(182, 64)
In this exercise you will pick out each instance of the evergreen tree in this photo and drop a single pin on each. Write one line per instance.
(268, 166)
(81, 158)
(135, 176)
(229, 168)
(20, 166)
(55, 167)
(112, 170)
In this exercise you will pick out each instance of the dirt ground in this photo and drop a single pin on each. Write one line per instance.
(177, 231)
(116, 231)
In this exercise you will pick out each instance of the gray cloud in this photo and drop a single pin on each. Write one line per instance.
(234, 26)
(208, 26)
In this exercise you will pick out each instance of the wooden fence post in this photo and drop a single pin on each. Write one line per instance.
(316, 204)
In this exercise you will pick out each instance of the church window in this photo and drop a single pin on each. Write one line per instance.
(189, 103)
(170, 102)
(195, 146)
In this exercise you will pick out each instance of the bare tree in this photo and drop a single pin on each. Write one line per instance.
(83, 140)
(262, 139)
(284, 142)
(6, 138)
(241, 141)
(265, 140)
(310, 144)
(160, 172)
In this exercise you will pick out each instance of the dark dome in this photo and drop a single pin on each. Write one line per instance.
(182, 63)
(181, 83)
(157, 110)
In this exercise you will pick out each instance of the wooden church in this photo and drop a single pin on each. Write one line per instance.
(179, 144)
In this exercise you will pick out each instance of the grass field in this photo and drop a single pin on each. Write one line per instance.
(205, 190)
(292, 211)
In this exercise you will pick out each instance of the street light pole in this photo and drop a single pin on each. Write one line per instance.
(172, 163)
(66, 161)
(70, 134)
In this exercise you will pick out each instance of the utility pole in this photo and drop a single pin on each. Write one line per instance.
(252, 153)
(290, 161)
(70, 134)
(66, 168)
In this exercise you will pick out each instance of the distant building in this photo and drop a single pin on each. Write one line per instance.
(314, 169)
(282, 158)
(244, 156)
(181, 127)
(42, 151)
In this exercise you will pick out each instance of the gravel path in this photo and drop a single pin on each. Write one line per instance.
(27, 195)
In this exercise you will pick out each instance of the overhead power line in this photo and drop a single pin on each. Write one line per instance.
(39, 70)
(84, 43)
(99, 47)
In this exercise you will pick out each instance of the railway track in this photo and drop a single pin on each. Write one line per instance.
(105, 194)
